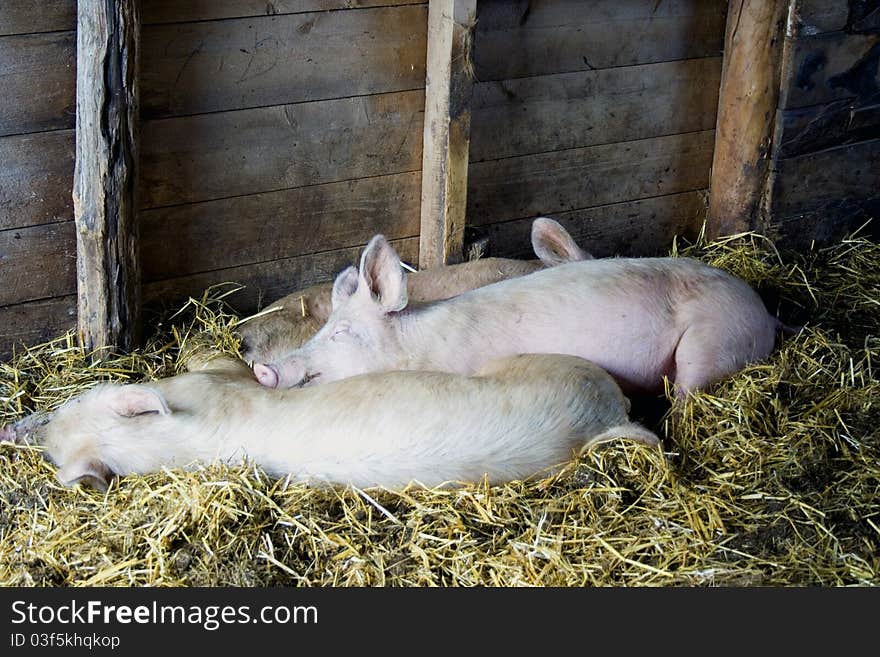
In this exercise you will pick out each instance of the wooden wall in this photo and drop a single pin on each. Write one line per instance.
(276, 139)
(37, 117)
(825, 165)
(600, 114)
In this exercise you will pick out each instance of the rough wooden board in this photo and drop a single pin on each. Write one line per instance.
(37, 262)
(818, 16)
(105, 176)
(35, 322)
(809, 129)
(174, 11)
(447, 128)
(747, 101)
(841, 176)
(634, 228)
(232, 64)
(827, 225)
(265, 282)
(29, 16)
(38, 79)
(186, 239)
(828, 67)
(550, 183)
(36, 178)
(518, 38)
(570, 110)
(228, 154)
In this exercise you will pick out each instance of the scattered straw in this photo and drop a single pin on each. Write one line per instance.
(771, 479)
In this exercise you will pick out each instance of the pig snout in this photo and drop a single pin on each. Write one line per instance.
(266, 374)
(288, 373)
(8, 434)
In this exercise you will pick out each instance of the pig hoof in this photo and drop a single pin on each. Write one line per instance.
(266, 375)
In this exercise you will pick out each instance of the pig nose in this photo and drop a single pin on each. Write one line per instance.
(266, 375)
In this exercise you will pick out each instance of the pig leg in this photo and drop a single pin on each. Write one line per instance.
(707, 353)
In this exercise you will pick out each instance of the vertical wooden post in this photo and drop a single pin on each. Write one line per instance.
(108, 274)
(446, 145)
(746, 111)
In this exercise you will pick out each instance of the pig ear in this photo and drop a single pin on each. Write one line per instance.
(553, 245)
(382, 274)
(344, 286)
(85, 469)
(131, 400)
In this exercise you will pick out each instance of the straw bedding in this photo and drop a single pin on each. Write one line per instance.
(773, 478)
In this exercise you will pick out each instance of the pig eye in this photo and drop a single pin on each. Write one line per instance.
(341, 329)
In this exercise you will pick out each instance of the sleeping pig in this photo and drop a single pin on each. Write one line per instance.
(292, 320)
(641, 319)
(516, 417)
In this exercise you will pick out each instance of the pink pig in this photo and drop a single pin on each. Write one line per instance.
(293, 319)
(517, 417)
(641, 319)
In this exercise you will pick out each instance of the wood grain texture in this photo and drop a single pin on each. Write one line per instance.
(844, 176)
(571, 110)
(36, 177)
(827, 67)
(447, 128)
(550, 183)
(267, 281)
(38, 78)
(187, 239)
(633, 228)
(35, 322)
(232, 64)
(746, 105)
(212, 156)
(806, 130)
(29, 16)
(105, 175)
(519, 38)
(37, 262)
(175, 11)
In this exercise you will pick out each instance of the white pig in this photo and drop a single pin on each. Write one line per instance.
(641, 319)
(293, 319)
(517, 417)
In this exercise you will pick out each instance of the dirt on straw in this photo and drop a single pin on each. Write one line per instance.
(772, 478)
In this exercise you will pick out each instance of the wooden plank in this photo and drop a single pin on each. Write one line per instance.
(827, 67)
(105, 176)
(633, 228)
(550, 183)
(571, 110)
(38, 78)
(29, 16)
(276, 225)
(37, 262)
(265, 282)
(212, 156)
(35, 322)
(447, 128)
(36, 178)
(843, 176)
(233, 64)
(828, 225)
(817, 16)
(175, 11)
(519, 38)
(809, 129)
(747, 101)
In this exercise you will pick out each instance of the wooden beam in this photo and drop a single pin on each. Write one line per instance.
(746, 109)
(108, 278)
(448, 90)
